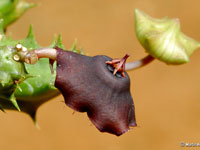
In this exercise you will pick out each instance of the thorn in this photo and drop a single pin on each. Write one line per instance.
(74, 45)
(30, 32)
(1, 108)
(54, 41)
(18, 87)
(81, 51)
(37, 125)
(14, 102)
(59, 42)
(33, 117)
(59, 39)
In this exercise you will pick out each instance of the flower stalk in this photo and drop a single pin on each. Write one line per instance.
(32, 57)
(139, 63)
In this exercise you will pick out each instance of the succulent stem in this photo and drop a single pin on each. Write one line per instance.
(139, 63)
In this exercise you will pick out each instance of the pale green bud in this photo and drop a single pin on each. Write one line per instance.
(163, 39)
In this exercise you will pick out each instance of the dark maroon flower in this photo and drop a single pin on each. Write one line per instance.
(90, 85)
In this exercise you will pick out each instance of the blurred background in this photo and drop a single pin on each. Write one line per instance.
(167, 98)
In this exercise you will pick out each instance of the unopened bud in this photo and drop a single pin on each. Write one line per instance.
(163, 39)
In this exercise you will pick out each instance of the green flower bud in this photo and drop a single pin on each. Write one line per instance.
(163, 39)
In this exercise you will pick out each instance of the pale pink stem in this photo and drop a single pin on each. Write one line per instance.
(33, 56)
(139, 63)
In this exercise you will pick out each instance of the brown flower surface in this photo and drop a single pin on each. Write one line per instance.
(88, 85)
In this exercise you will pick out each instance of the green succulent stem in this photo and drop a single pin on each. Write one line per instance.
(139, 63)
